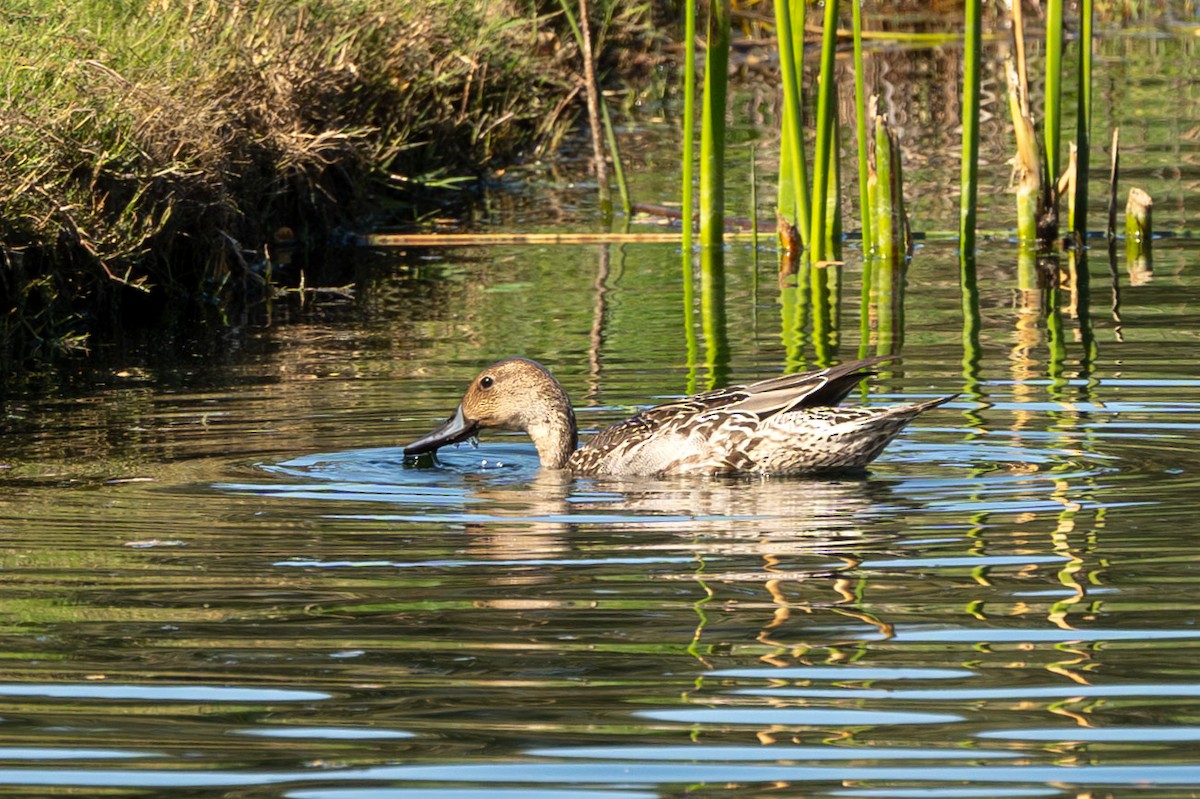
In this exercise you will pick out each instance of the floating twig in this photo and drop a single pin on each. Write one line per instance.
(485, 239)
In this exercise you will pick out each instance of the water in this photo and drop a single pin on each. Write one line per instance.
(220, 580)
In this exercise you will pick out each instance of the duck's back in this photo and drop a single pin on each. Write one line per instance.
(783, 425)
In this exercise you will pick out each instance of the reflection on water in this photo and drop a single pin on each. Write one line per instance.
(230, 584)
(1005, 604)
(985, 608)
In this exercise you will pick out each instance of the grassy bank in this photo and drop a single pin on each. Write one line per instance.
(153, 150)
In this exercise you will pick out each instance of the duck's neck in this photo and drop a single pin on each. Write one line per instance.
(555, 436)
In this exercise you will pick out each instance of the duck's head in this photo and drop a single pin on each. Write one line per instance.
(514, 394)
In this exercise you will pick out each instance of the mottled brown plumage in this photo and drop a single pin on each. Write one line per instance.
(782, 425)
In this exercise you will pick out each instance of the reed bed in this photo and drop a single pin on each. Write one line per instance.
(809, 212)
(172, 147)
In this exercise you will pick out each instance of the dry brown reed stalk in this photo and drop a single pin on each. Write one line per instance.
(537, 239)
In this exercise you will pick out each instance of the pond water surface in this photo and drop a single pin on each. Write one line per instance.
(219, 579)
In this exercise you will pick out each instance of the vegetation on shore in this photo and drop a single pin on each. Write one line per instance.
(158, 149)
(170, 155)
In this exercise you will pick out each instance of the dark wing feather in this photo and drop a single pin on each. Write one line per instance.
(763, 398)
(806, 390)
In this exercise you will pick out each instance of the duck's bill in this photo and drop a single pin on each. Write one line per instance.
(456, 429)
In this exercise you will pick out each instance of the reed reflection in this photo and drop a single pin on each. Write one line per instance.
(1114, 277)
(826, 287)
(794, 302)
(972, 323)
(888, 301)
(1080, 310)
(712, 315)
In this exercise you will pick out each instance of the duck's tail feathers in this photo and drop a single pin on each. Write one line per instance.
(915, 409)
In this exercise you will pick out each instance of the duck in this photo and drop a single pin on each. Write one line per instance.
(787, 425)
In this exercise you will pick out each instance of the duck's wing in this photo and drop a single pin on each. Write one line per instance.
(635, 430)
(825, 387)
(762, 399)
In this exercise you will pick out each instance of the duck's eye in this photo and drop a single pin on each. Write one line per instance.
(486, 382)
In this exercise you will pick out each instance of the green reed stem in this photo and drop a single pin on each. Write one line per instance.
(754, 220)
(712, 126)
(785, 195)
(1027, 212)
(902, 231)
(1083, 122)
(1053, 115)
(887, 278)
(860, 104)
(972, 38)
(804, 193)
(1114, 167)
(689, 133)
(881, 198)
(615, 153)
(833, 197)
(793, 182)
(871, 266)
(826, 109)
(688, 192)
(1070, 179)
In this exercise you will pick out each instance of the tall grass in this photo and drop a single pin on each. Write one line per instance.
(139, 139)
